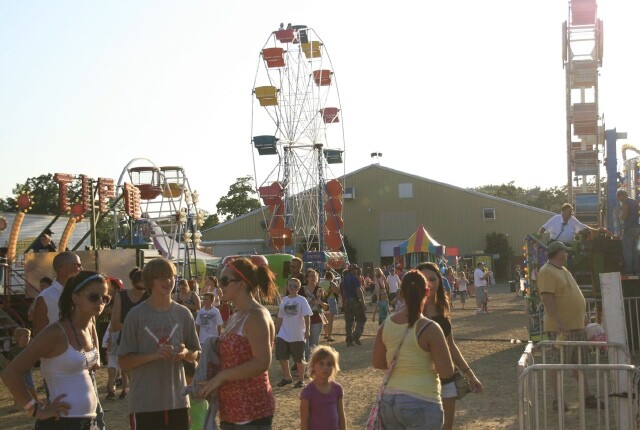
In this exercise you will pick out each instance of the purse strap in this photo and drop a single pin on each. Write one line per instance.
(387, 374)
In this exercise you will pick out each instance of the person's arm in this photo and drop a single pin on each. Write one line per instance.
(461, 363)
(542, 230)
(116, 325)
(432, 340)
(50, 343)
(549, 301)
(307, 325)
(40, 316)
(342, 419)
(304, 414)
(260, 332)
(379, 356)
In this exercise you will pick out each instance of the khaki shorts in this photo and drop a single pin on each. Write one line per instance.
(570, 354)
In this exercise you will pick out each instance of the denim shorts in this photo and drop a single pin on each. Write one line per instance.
(400, 411)
(333, 305)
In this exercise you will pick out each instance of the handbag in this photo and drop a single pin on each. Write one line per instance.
(462, 384)
(375, 421)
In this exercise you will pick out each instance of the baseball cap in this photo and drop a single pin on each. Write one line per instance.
(556, 246)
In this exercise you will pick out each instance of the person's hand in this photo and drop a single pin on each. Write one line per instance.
(181, 354)
(56, 409)
(211, 386)
(166, 352)
(476, 385)
(307, 334)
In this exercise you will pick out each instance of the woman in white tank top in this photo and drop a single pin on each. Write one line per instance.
(68, 353)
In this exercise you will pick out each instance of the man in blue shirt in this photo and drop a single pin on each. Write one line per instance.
(354, 306)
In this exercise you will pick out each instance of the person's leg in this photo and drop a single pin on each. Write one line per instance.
(111, 383)
(314, 337)
(282, 355)
(329, 326)
(449, 408)
(297, 351)
(348, 321)
(360, 320)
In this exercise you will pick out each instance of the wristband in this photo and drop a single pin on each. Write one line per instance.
(30, 404)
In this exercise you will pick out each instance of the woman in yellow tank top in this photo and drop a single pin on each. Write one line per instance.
(411, 399)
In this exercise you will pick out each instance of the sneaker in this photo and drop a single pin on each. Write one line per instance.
(299, 384)
(110, 396)
(283, 382)
(330, 339)
(357, 341)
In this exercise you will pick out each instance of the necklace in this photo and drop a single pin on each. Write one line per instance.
(82, 351)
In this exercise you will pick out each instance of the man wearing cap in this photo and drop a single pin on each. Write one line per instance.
(629, 223)
(564, 311)
(564, 226)
(354, 306)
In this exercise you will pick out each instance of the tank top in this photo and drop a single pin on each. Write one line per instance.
(68, 374)
(414, 373)
(243, 400)
(126, 304)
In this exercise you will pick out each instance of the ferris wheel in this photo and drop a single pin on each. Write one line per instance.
(298, 141)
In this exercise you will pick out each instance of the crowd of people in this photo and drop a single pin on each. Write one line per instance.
(161, 335)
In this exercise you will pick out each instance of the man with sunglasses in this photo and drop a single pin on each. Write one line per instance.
(66, 264)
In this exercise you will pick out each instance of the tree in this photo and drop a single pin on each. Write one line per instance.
(498, 243)
(238, 200)
(351, 251)
(550, 199)
(44, 195)
(210, 221)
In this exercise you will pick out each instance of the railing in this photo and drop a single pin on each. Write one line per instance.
(632, 318)
(554, 396)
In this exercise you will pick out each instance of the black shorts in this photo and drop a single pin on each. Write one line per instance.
(285, 349)
(174, 419)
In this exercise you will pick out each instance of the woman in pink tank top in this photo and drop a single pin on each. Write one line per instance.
(242, 383)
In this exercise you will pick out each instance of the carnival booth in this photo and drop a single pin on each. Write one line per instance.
(418, 248)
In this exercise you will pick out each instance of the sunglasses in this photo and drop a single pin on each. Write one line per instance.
(224, 281)
(95, 297)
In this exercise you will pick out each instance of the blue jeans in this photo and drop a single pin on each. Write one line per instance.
(313, 340)
(399, 411)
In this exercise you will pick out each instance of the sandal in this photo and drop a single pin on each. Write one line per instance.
(111, 395)
(590, 402)
(123, 394)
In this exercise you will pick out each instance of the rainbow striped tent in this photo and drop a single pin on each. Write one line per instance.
(419, 247)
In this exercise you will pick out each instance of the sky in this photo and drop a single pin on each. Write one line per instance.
(467, 93)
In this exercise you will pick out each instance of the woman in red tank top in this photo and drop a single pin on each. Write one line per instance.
(243, 387)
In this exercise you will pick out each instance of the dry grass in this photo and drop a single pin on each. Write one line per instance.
(483, 339)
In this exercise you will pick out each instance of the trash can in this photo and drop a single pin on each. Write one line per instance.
(512, 286)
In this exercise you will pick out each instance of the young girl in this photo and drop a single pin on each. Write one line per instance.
(462, 283)
(382, 307)
(321, 404)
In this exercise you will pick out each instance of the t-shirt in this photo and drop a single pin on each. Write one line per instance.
(570, 303)
(323, 408)
(478, 279)
(393, 280)
(462, 284)
(561, 231)
(209, 320)
(155, 386)
(292, 310)
(350, 287)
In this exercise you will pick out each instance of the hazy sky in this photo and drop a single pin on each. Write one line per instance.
(467, 92)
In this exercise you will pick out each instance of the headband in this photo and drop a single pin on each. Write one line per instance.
(244, 278)
(87, 280)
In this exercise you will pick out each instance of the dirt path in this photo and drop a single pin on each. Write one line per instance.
(485, 341)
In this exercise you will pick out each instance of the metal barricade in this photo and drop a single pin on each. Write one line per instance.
(553, 396)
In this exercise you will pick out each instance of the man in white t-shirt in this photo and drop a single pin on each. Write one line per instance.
(480, 283)
(393, 281)
(208, 319)
(563, 227)
(292, 328)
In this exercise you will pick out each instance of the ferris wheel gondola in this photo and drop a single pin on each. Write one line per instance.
(298, 140)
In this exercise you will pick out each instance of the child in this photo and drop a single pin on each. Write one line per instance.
(382, 308)
(462, 283)
(112, 364)
(208, 319)
(292, 329)
(22, 337)
(321, 405)
(398, 303)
